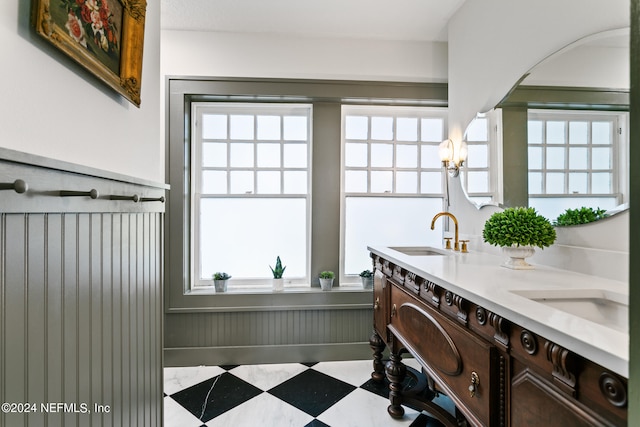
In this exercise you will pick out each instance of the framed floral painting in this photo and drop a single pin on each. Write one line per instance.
(104, 36)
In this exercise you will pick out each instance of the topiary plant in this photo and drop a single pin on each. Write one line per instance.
(518, 227)
(583, 215)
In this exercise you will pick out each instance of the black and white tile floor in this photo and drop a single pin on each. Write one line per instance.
(335, 394)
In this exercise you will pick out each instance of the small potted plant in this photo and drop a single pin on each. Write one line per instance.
(367, 279)
(583, 215)
(278, 271)
(326, 280)
(220, 281)
(518, 231)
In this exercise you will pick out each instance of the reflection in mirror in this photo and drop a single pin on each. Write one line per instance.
(575, 160)
(567, 120)
(479, 175)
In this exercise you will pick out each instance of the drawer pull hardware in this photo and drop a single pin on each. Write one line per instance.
(376, 305)
(19, 186)
(473, 387)
(133, 198)
(393, 310)
(152, 199)
(93, 193)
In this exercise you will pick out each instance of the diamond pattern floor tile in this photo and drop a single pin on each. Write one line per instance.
(215, 396)
(310, 394)
(312, 391)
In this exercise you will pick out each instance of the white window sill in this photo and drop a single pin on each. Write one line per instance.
(266, 290)
(293, 297)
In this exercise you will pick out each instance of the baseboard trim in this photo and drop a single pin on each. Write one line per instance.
(252, 355)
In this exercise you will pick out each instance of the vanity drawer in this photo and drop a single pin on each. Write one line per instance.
(451, 355)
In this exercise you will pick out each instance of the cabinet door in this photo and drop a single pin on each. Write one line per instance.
(535, 401)
(458, 360)
(381, 304)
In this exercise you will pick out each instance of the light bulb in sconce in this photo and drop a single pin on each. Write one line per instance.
(452, 156)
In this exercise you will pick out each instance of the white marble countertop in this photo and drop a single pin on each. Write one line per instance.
(478, 277)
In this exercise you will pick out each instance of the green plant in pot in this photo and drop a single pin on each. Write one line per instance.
(582, 215)
(367, 279)
(220, 281)
(518, 231)
(278, 271)
(326, 280)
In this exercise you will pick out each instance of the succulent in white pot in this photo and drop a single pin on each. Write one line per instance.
(220, 281)
(278, 271)
(326, 280)
(367, 279)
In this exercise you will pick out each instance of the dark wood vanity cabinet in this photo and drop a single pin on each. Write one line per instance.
(466, 367)
(571, 390)
(496, 372)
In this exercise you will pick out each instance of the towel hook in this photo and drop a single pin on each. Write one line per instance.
(152, 199)
(135, 198)
(93, 193)
(19, 186)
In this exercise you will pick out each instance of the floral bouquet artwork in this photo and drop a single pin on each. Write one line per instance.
(106, 37)
(94, 25)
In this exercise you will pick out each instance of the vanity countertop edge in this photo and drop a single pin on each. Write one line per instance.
(479, 278)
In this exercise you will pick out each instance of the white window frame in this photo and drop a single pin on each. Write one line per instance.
(394, 112)
(197, 141)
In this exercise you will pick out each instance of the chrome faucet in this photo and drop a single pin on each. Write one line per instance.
(456, 246)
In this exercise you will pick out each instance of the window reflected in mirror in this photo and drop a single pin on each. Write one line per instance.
(575, 159)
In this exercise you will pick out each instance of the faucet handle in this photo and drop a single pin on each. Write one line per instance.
(447, 242)
(463, 243)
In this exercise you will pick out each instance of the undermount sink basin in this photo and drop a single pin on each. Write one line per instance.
(420, 250)
(601, 306)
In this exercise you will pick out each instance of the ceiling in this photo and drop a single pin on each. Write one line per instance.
(406, 20)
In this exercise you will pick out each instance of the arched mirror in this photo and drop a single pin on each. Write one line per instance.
(559, 139)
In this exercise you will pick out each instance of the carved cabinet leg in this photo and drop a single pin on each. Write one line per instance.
(396, 372)
(377, 346)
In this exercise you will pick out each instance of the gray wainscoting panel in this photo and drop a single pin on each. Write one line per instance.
(80, 313)
(268, 328)
(267, 336)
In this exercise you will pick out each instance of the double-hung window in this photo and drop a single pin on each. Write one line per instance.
(250, 173)
(392, 181)
(575, 159)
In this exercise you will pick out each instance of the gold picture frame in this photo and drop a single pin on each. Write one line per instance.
(104, 36)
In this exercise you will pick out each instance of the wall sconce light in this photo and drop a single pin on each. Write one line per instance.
(452, 157)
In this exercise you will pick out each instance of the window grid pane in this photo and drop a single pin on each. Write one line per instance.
(475, 175)
(571, 153)
(393, 153)
(239, 159)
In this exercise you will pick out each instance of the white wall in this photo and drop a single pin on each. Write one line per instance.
(585, 66)
(53, 108)
(192, 53)
(492, 43)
